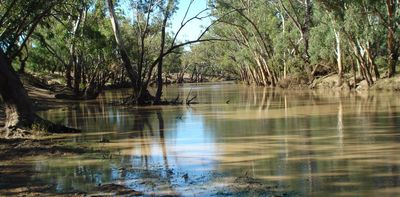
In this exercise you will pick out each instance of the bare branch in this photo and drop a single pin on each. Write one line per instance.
(294, 19)
(187, 11)
(188, 21)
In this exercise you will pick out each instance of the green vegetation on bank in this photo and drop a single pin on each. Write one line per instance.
(271, 41)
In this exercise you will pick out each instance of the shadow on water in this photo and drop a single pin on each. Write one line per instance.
(306, 142)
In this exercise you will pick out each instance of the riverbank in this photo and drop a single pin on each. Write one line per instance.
(330, 82)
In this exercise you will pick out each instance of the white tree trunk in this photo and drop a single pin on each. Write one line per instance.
(339, 56)
(132, 74)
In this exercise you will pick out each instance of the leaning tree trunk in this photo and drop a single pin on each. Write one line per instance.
(18, 107)
(132, 73)
(20, 114)
(141, 94)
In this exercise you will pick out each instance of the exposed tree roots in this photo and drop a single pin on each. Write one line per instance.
(36, 128)
(147, 99)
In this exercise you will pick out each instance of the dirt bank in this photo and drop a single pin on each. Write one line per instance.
(331, 82)
(391, 84)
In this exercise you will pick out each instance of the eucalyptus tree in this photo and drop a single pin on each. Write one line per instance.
(336, 12)
(151, 21)
(18, 21)
(79, 46)
(362, 31)
(391, 21)
(202, 62)
(250, 26)
(300, 14)
(360, 23)
(94, 60)
(167, 9)
(140, 73)
(269, 40)
(371, 16)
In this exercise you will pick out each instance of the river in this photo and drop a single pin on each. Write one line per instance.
(311, 143)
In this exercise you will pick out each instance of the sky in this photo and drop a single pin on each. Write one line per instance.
(192, 30)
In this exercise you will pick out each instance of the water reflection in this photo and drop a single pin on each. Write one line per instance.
(314, 143)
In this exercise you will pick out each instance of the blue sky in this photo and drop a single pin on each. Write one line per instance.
(193, 29)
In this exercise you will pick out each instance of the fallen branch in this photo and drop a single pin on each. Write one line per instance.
(190, 101)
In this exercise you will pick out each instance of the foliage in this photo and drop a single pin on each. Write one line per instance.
(274, 39)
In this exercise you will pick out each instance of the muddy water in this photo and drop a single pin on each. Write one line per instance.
(306, 142)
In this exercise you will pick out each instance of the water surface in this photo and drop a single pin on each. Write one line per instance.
(312, 143)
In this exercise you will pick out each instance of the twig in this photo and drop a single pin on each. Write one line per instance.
(189, 101)
(187, 97)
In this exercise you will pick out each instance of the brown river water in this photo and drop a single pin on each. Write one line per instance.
(308, 143)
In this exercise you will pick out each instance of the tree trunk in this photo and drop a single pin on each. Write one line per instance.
(72, 52)
(161, 55)
(270, 73)
(391, 10)
(372, 61)
(261, 71)
(339, 56)
(160, 61)
(132, 74)
(77, 76)
(353, 69)
(303, 28)
(20, 114)
(391, 54)
(68, 76)
(306, 32)
(19, 110)
(22, 64)
(363, 64)
(193, 74)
